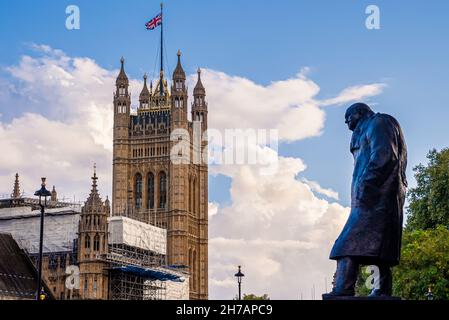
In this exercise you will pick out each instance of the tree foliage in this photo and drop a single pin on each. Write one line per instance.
(254, 297)
(429, 200)
(424, 264)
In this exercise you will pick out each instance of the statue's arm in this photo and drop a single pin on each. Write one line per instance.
(382, 140)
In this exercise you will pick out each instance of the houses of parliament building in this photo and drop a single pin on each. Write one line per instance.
(150, 241)
(147, 184)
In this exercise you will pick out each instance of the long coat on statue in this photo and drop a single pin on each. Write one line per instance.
(373, 231)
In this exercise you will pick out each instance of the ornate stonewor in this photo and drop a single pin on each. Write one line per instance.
(147, 185)
(93, 243)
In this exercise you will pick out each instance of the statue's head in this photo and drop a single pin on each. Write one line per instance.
(355, 113)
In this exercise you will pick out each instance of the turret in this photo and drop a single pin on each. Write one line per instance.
(199, 105)
(122, 99)
(93, 245)
(144, 97)
(179, 95)
(16, 191)
(54, 195)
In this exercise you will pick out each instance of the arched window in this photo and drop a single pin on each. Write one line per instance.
(138, 190)
(87, 242)
(190, 194)
(194, 195)
(85, 288)
(95, 287)
(96, 242)
(195, 271)
(162, 190)
(178, 85)
(150, 190)
(190, 266)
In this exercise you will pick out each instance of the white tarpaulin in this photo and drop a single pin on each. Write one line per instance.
(134, 233)
(60, 230)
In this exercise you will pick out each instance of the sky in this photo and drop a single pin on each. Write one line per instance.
(294, 66)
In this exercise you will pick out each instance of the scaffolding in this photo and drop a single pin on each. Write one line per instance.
(138, 261)
(156, 217)
(128, 286)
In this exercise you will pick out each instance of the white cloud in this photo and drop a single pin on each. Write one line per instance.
(275, 227)
(291, 105)
(34, 146)
(314, 186)
(355, 93)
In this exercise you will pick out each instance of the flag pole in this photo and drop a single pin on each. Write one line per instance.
(161, 86)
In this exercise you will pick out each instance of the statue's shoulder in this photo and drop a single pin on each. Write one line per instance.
(383, 119)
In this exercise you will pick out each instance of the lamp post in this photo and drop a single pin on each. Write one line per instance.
(429, 294)
(41, 193)
(239, 275)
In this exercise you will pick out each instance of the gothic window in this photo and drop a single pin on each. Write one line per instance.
(95, 287)
(191, 269)
(138, 190)
(97, 243)
(121, 91)
(194, 196)
(87, 242)
(85, 287)
(178, 85)
(162, 190)
(150, 190)
(194, 278)
(176, 103)
(190, 194)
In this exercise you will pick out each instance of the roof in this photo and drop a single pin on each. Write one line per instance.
(160, 274)
(60, 229)
(17, 273)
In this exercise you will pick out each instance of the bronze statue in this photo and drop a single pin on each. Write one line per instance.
(372, 235)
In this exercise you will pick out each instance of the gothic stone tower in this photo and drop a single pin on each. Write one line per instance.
(158, 173)
(93, 243)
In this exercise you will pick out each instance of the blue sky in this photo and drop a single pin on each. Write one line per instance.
(267, 41)
(264, 42)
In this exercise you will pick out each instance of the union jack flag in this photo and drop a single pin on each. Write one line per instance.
(153, 23)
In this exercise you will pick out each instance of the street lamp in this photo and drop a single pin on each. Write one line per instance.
(429, 294)
(239, 275)
(41, 193)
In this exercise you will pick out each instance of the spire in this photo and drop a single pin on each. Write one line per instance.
(16, 191)
(199, 88)
(145, 92)
(54, 195)
(94, 204)
(179, 73)
(94, 179)
(122, 77)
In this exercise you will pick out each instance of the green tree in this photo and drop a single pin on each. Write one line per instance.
(361, 289)
(254, 297)
(429, 200)
(424, 264)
